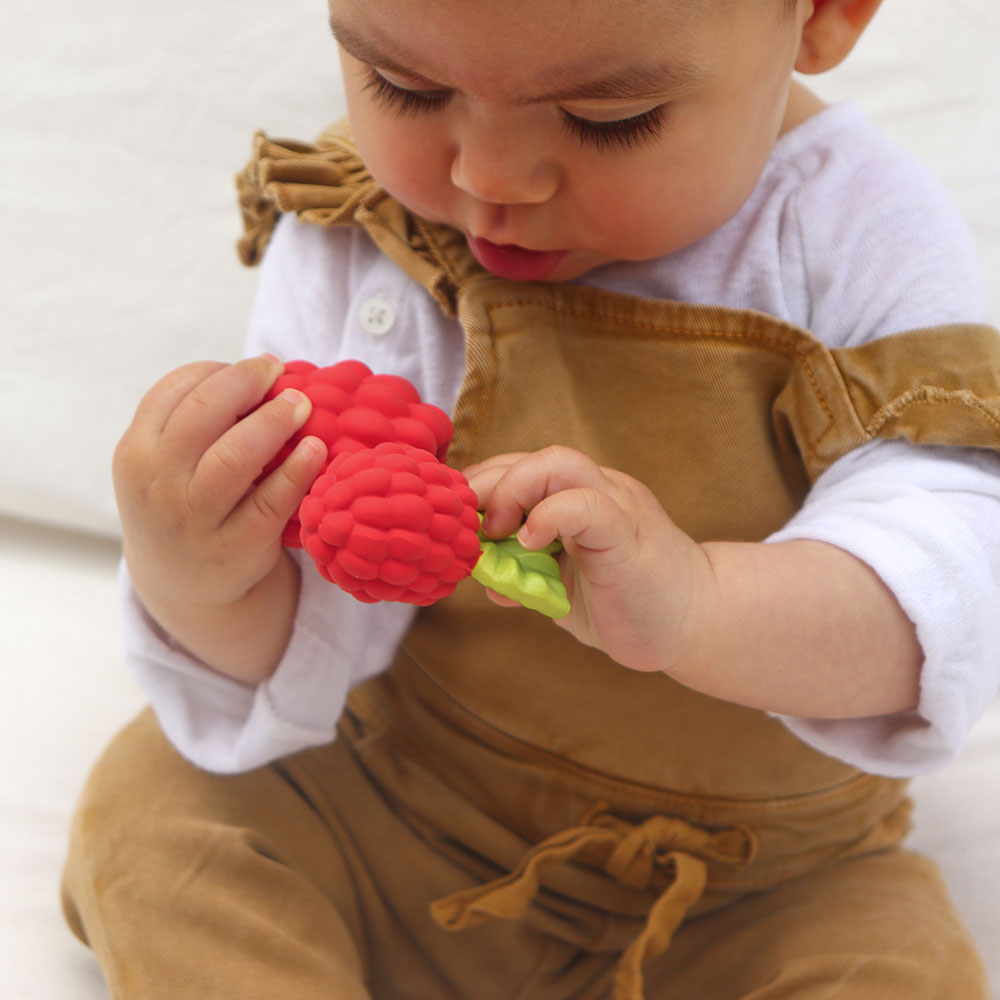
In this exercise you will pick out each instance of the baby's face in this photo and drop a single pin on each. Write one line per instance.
(560, 135)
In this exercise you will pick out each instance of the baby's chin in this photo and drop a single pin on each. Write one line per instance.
(577, 263)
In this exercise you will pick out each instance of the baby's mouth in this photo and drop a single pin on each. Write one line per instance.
(507, 260)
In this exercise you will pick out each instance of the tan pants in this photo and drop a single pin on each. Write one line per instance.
(303, 880)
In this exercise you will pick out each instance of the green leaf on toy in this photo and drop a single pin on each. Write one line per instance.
(532, 578)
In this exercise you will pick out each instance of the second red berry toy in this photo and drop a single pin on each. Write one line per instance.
(391, 523)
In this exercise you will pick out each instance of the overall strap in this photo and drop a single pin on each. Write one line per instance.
(937, 385)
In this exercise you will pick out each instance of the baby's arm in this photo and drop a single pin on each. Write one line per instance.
(313, 282)
(801, 627)
(202, 543)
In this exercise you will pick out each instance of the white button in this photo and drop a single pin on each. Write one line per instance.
(377, 316)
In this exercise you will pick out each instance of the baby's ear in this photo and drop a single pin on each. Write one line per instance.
(831, 31)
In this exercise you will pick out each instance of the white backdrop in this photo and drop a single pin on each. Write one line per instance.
(123, 124)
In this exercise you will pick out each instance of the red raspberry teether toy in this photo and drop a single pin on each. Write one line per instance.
(354, 409)
(388, 520)
(391, 523)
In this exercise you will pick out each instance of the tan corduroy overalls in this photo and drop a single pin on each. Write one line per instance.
(508, 814)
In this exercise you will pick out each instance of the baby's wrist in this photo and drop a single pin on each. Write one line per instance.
(243, 637)
(697, 618)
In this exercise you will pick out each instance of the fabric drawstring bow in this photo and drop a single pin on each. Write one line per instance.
(635, 852)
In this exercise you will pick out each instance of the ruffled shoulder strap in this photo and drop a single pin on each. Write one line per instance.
(326, 183)
(938, 385)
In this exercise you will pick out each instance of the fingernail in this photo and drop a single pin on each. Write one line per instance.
(274, 363)
(311, 448)
(299, 400)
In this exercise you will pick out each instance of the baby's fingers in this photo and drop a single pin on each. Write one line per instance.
(513, 485)
(158, 405)
(214, 405)
(266, 509)
(227, 470)
(586, 519)
(494, 467)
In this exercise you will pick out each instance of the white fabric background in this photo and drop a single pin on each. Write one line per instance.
(122, 125)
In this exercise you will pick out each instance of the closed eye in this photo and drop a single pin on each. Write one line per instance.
(402, 100)
(619, 133)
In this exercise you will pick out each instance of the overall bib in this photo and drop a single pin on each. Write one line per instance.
(506, 812)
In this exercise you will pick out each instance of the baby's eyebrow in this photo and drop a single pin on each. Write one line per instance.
(366, 51)
(629, 83)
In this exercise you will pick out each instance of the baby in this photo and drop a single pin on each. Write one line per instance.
(722, 340)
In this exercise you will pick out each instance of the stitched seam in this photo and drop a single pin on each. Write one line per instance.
(436, 248)
(927, 396)
(625, 321)
(801, 359)
(813, 450)
(483, 398)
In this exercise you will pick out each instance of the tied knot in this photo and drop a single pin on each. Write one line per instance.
(661, 852)
(651, 846)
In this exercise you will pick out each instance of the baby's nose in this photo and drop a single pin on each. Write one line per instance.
(495, 166)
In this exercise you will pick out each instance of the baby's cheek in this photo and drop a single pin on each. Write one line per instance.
(409, 163)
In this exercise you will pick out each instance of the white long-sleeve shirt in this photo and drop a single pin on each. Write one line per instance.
(846, 236)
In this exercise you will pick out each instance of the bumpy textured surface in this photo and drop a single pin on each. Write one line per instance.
(355, 409)
(391, 523)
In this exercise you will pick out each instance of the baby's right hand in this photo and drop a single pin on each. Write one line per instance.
(198, 533)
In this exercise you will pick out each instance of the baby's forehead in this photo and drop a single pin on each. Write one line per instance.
(508, 21)
(493, 11)
(528, 47)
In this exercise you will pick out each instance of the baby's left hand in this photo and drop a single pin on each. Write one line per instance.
(632, 576)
